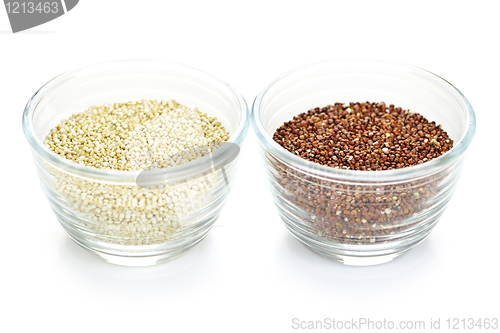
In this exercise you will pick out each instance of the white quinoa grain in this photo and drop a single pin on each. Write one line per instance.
(130, 136)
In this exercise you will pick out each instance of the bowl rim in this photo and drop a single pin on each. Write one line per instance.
(61, 163)
(361, 176)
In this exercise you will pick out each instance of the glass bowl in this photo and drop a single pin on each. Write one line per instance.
(109, 212)
(361, 217)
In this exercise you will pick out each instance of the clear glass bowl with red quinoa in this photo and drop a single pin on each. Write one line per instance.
(355, 181)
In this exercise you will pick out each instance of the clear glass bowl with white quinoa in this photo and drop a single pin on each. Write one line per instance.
(96, 131)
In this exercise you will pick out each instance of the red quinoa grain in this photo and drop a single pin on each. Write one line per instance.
(361, 136)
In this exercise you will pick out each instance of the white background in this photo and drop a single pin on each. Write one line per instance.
(249, 274)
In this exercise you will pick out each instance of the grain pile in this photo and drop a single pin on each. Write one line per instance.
(131, 136)
(361, 137)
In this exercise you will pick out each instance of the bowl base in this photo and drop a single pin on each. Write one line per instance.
(360, 260)
(359, 255)
(137, 261)
(140, 256)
